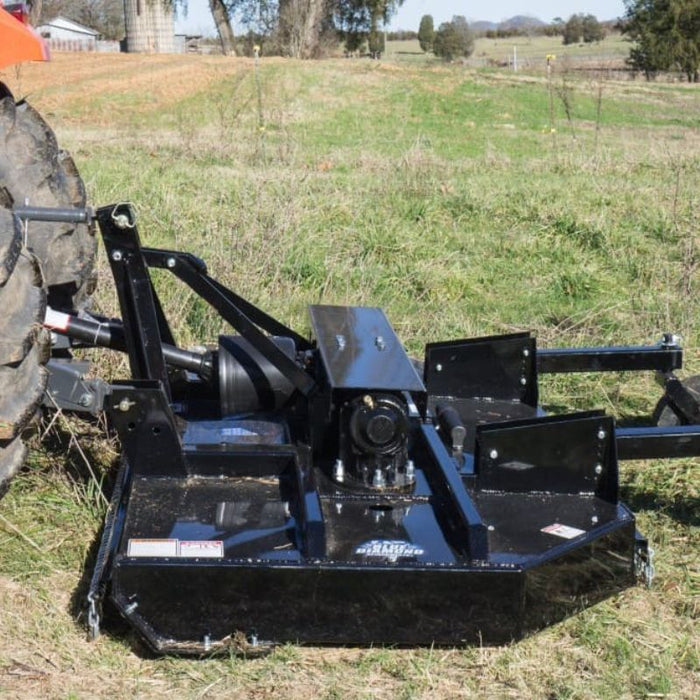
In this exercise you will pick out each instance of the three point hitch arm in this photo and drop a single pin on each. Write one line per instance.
(145, 335)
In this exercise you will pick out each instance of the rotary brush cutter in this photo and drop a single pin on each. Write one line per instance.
(333, 490)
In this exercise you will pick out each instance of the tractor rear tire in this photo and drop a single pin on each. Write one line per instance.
(44, 262)
(24, 344)
(34, 170)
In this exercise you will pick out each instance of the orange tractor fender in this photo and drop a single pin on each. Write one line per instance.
(18, 41)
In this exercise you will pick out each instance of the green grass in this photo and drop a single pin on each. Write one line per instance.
(457, 201)
(531, 52)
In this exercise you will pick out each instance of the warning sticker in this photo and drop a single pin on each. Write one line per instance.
(392, 550)
(201, 549)
(565, 531)
(152, 548)
(210, 549)
(56, 319)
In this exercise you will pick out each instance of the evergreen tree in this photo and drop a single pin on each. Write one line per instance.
(591, 29)
(666, 34)
(573, 30)
(426, 33)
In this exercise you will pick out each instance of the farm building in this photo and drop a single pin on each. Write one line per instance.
(64, 34)
(187, 43)
(150, 26)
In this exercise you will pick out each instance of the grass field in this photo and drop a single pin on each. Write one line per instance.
(464, 202)
(531, 52)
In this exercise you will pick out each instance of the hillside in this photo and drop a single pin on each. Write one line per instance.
(521, 22)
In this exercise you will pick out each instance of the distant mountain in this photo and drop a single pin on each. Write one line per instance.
(483, 26)
(518, 22)
(521, 22)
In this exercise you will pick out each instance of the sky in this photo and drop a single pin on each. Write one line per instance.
(199, 21)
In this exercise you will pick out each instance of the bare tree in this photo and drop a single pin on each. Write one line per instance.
(35, 7)
(220, 13)
(360, 19)
(300, 26)
(105, 16)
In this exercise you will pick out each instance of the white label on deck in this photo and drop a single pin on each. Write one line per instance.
(565, 531)
(237, 432)
(152, 548)
(202, 549)
(171, 548)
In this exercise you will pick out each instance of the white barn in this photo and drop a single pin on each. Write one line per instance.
(64, 34)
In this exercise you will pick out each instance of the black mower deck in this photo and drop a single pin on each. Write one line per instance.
(280, 552)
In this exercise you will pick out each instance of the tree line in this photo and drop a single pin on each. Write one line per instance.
(308, 28)
(297, 28)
